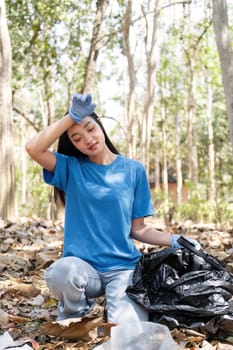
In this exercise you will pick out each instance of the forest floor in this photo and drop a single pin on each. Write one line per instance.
(28, 310)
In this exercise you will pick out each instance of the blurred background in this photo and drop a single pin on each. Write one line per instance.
(161, 73)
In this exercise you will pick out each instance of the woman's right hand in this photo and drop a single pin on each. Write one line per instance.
(81, 107)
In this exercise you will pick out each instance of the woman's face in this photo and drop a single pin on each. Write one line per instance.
(87, 137)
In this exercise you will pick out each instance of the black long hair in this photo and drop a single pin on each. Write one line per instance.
(65, 146)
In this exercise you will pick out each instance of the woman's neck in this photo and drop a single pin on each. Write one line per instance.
(104, 158)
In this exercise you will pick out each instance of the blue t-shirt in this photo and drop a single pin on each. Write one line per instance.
(101, 201)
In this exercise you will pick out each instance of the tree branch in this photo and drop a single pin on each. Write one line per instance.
(15, 109)
(117, 121)
(178, 3)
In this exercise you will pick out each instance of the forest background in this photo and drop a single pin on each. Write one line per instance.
(161, 72)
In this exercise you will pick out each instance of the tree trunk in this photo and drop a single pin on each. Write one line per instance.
(164, 160)
(48, 97)
(150, 48)
(224, 45)
(131, 101)
(7, 178)
(190, 44)
(90, 69)
(23, 197)
(212, 188)
(191, 113)
(179, 177)
(157, 170)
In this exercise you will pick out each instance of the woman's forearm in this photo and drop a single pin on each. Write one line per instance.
(150, 235)
(45, 138)
(38, 146)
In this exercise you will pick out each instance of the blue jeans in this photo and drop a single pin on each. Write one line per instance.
(76, 284)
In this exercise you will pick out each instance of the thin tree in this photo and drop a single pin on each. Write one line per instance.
(179, 175)
(131, 100)
(224, 45)
(211, 150)
(150, 41)
(7, 179)
(191, 45)
(90, 80)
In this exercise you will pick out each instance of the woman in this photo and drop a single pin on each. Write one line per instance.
(106, 197)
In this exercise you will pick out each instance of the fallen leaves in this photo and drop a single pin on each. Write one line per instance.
(28, 311)
(77, 328)
(23, 289)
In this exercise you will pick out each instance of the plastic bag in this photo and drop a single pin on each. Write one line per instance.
(181, 289)
(138, 336)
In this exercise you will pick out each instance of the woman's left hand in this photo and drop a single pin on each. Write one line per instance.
(175, 244)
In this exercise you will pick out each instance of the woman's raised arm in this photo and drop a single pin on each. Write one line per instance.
(38, 146)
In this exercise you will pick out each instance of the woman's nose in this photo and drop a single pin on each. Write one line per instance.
(88, 139)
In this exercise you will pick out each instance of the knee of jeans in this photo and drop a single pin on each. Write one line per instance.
(63, 273)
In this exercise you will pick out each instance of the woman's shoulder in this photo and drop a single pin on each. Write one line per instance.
(131, 162)
(68, 161)
(67, 157)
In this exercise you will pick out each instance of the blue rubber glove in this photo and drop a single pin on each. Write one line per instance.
(81, 106)
(175, 244)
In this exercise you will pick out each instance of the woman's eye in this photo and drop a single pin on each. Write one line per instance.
(91, 129)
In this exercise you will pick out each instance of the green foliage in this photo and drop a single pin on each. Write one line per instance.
(196, 208)
(44, 34)
(50, 43)
(201, 210)
(224, 211)
(38, 194)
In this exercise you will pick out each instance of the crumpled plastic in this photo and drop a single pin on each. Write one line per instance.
(7, 342)
(182, 290)
(139, 335)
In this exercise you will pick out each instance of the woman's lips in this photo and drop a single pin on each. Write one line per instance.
(93, 147)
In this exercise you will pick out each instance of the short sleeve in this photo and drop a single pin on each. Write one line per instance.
(143, 204)
(59, 177)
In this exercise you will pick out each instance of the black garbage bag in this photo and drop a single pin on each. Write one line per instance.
(183, 290)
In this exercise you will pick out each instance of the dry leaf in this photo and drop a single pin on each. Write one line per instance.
(75, 328)
(18, 319)
(24, 289)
